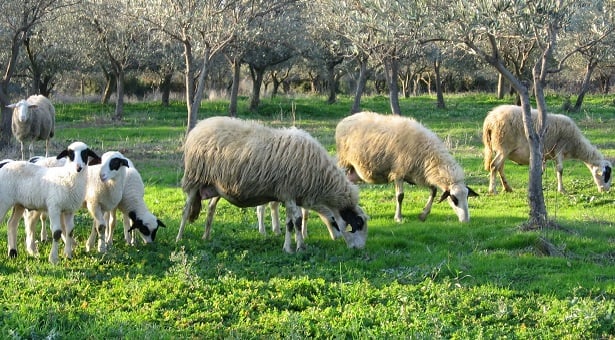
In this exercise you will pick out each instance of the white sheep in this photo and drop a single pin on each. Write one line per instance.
(104, 192)
(381, 149)
(249, 164)
(134, 211)
(504, 136)
(58, 191)
(33, 119)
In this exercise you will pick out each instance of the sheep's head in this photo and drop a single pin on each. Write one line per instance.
(21, 108)
(112, 163)
(602, 175)
(148, 226)
(457, 195)
(79, 155)
(351, 223)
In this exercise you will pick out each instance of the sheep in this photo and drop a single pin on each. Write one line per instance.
(33, 119)
(58, 191)
(135, 212)
(249, 164)
(504, 136)
(105, 188)
(379, 149)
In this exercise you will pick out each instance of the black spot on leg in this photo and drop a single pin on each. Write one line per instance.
(400, 198)
(289, 226)
(101, 228)
(352, 218)
(57, 235)
(13, 253)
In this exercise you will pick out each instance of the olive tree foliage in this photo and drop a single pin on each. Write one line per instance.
(480, 26)
(202, 27)
(383, 30)
(18, 19)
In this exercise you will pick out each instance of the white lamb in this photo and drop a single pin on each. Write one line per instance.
(249, 164)
(33, 119)
(380, 149)
(504, 136)
(57, 191)
(104, 191)
(134, 211)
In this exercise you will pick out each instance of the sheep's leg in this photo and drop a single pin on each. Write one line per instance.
(275, 217)
(293, 224)
(55, 221)
(192, 195)
(12, 229)
(23, 156)
(559, 165)
(30, 218)
(129, 235)
(43, 218)
(399, 196)
(260, 216)
(211, 210)
(47, 147)
(31, 150)
(304, 214)
(68, 224)
(92, 238)
(427, 209)
(110, 227)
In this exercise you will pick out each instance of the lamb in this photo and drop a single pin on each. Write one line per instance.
(135, 212)
(504, 135)
(58, 191)
(249, 164)
(33, 119)
(380, 149)
(105, 188)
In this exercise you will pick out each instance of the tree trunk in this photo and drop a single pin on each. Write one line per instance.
(440, 97)
(391, 72)
(257, 81)
(332, 82)
(236, 66)
(501, 90)
(165, 89)
(108, 90)
(589, 70)
(356, 105)
(119, 100)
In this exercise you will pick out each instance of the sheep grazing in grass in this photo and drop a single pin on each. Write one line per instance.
(104, 193)
(249, 164)
(504, 136)
(58, 191)
(380, 149)
(33, 119)
(134, 211)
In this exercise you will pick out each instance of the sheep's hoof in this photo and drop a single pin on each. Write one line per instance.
(289, 250)
(301, 248)
(53, 260)
(13, 253)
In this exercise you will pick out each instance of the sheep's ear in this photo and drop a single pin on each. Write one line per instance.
(11, 106)
(444, 196)
(607, 174)
(124, 162)
(95, 160)
(62, 154)
(471, 193)
(160, 224)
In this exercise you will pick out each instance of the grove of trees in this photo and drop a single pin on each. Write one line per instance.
(524, 47)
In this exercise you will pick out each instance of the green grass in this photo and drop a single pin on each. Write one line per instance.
(432, 279)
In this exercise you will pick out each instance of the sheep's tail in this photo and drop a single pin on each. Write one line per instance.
(195, 209)
(487, 151)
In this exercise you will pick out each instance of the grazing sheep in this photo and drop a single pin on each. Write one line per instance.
(504, 135)
(33, 119)
(104, 192)
(58, 191)
(380, 149)
(135, 212)
(249, 164)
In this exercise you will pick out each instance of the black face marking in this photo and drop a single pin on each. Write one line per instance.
(137, 223)
(352, 218)
(607, 174)
(455, 200)
(117, 162)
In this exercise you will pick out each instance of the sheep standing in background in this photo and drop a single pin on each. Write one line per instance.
(380, 149)
(33, 119)
(104, 191)
(134, 211)
(504, 135)
(58, 191)
(249, 164)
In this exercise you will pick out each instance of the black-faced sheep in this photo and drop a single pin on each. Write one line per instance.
(504, 136)
(134, 211)
(249, 164)
(33, 119)
(104, 191)
(58, 191)
(381, 149)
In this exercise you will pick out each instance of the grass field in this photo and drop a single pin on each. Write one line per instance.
(433, 279)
